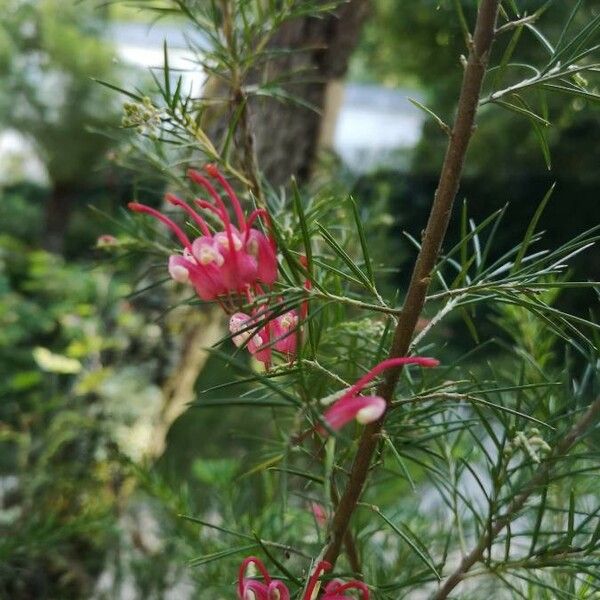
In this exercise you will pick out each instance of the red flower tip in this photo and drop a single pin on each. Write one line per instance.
(171, 198)
(211, 170)
(428, 362)
(325, 565)
(136, 207)
(194, 175)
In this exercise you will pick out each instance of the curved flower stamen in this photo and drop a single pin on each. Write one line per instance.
(311, 587)
(173, 199)
(237, 207)
(335, 590)
(137, 207)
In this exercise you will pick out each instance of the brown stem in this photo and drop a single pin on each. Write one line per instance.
(58, 211)
(239, 101)
(349, 542)
(572, 437)
(247, 140)
(433, 236)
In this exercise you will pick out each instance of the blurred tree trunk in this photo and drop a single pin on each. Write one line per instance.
(202, 329)
(57, 212)
(287, 134)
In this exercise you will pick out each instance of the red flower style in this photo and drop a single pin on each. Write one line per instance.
(274, 589)
(230, 261)
(367, 409)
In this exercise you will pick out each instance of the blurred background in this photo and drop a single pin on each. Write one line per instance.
(98, 450)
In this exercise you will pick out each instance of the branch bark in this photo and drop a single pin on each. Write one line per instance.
(433, 237)
(567, 442)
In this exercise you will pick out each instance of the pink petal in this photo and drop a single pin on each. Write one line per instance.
(263, 250)
(365, 409)
(251, 589)
(206, 252)
(179, 268)
(278, 591)
(206, 280)
(254, 340)
(254, 590)
(239, 269)
(285, 333)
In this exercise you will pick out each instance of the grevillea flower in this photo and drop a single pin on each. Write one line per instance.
(273, 589)
(229, 261)
(252, 589)
(279, 333)
(366, 409)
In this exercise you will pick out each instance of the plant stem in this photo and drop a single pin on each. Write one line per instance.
(565, 444)
(435, 231)
(239, 101)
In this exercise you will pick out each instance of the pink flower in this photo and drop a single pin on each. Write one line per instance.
(285, 336)
(367, 409)
(278, 334)
(247, 332)
(268, 589)
(273, 589)
(232, 260)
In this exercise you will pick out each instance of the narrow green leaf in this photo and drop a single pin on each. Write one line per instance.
(216, 527)
(400, 462)
(166, 73)
(522, 111)
(208, 558)
(505, 60)
(538, 521)
(531, 229)
(409, 537)
(334, 245)
(443, 126)
(303, 224)
(363, 241)
(276, 562)
(299, 473)
(568, 22)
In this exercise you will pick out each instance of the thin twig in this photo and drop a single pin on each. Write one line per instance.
(519, 22)
(432, 240)
(565, 444)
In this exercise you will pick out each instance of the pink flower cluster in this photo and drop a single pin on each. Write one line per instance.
(234, 261)
(274, 589)
(230, 261)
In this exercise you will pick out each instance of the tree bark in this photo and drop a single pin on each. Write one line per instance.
(57, 213)
(286, 133)
(203, 330)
